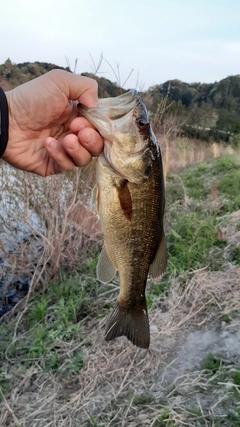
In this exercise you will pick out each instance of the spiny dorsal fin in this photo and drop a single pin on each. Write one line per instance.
(125, 199)
(159, 264)
(106, 271)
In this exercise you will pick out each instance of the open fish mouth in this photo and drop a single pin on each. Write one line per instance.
(113, 114)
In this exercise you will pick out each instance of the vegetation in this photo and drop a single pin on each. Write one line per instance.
(55, 367)
(53, 350)
(12, 75)
(208, 110)
(204, 111)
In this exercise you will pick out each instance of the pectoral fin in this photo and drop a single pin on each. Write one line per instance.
(159, 264)
(125, 199)
(106, 271)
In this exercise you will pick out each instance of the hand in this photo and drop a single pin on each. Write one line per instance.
(46, 136)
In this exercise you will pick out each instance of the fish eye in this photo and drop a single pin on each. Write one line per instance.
(142, 123)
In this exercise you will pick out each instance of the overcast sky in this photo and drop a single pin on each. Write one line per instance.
(191, 40)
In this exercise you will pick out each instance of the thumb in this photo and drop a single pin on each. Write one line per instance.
(76, 88)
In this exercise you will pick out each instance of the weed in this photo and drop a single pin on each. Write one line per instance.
(190, 244)
(54, 319)
(143, 399)
(5, 384)
(196, 187)
(56, 328)
(73, 365)
(234, 417)
(234, 255)
(223, 164)
(38, 311)
(51, 362)
(195, 411)
(175, 190)
(211, 363)
(93, 422)
(154, 290)
(164, 419)
(226, 318)
(236, 378)
(90, 264)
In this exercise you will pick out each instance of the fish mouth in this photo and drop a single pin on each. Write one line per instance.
(113, 115)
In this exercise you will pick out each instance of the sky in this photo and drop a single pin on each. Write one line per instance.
(189, 40)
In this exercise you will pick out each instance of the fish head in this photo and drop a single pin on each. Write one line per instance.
(130, 146)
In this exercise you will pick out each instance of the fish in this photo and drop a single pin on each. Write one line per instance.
(130, 202)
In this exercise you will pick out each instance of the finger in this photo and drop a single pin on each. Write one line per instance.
(79, 123)
(91, 140)
(79, 154)
(57, 153)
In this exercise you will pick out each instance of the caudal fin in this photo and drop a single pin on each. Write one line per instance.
(132, 323)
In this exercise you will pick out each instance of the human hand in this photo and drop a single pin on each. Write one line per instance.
(46, 136)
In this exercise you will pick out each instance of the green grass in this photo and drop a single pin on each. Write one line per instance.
(236, 378)
(53, 318)
(211, 364)
(143, 399)
(193, 242)
(51, 334)
(235, 255)
(196, 198)
(164, 419)
(190, 244)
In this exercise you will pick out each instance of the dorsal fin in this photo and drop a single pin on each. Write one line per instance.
(159, 264)
(125, 199)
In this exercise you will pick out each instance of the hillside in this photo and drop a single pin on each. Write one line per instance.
(203, 110)
(214, 105)
(12, 75)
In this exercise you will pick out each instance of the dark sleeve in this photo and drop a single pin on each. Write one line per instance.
(4, 122)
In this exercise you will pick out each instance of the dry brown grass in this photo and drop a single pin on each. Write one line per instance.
(45, 223)
(116, 374)
(181, 152)
(121, 385)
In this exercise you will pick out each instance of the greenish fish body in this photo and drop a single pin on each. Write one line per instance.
(130, 202)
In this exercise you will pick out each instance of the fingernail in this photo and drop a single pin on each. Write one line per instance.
(52, 143)
(90, 140)
(74, 147)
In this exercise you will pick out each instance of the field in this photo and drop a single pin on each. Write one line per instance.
(55, 367)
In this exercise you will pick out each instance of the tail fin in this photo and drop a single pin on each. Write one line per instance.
(131, 322)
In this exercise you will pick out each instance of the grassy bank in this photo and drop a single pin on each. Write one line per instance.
(57, 370)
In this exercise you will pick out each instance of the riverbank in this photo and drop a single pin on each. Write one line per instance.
(56, 368)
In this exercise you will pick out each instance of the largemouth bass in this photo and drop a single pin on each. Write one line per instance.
(130, 202)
